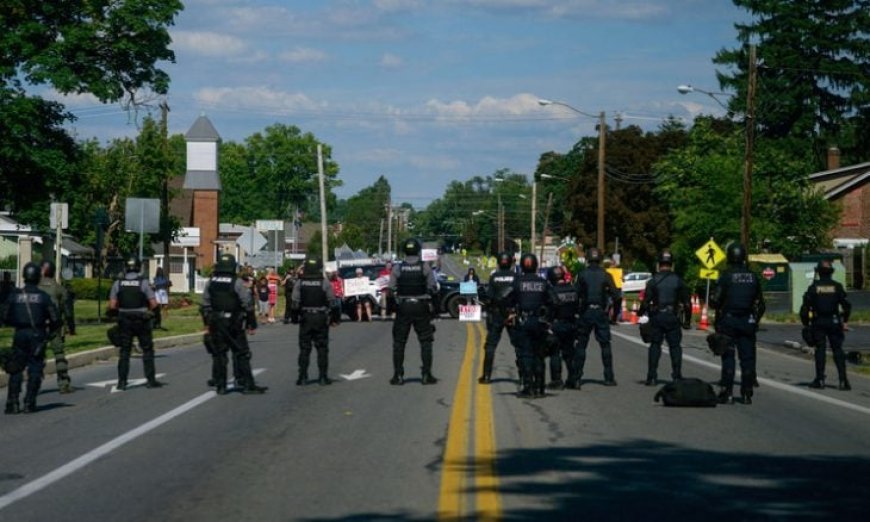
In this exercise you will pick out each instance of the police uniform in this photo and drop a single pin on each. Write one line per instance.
(59, 298)
(413, 283)
(739, 306)
(313, 297)
(34, 316)
(825, 311)
(133, 299)
(565, 311)
(497, 301)
(597, 291)
(665, 301)
(227, 308)
(530, 297)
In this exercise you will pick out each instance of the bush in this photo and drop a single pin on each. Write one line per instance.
(87, 288)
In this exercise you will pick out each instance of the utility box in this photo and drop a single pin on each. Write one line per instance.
(773, 269)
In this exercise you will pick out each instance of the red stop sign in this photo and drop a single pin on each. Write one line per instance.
(768, 273)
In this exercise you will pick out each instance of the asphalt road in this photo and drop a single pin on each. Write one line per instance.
(364, 450)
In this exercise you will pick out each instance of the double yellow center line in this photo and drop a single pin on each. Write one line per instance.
(469, 472)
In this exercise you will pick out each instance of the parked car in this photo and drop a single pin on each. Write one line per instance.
(635, 281)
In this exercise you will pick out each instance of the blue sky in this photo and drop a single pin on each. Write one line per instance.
(429, 91)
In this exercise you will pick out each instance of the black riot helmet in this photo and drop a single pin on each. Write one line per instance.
(31, 273)
(825, 267)
(736, 254)
(47, 268)
(412, 247)
(132, 264)
(226, 264)
(555, 275)
(505, 261)
(529, 263)
(666, 258)
(593, 256)
(313, 266)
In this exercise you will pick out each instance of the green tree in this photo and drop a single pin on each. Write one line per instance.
(364, 214)
(702, 185)
(813, 75)
(108, 48)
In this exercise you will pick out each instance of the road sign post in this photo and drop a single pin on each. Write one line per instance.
(710, 255)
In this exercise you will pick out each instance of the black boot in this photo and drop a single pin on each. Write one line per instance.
(428, 378)
(64, 383)
(219, 374)
(123, 371)
(33, 384)
(746, 394)
(12, 406)
(540, 379)
(398, 378)
(324, 380)
(302, 380)
(651, 379)
(486, 378)
(817, 384)
(150, 374)
(724, 395)
(844, 385)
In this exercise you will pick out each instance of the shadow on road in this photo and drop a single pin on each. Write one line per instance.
(648, 480)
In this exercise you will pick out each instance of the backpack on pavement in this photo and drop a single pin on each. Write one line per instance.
(687, 393)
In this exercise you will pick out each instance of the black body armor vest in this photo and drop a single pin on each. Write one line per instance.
(566, 300)
(130, 294)
(595, 279)
(26, 303)
(311, 293)
(742, 288)
(531, 292)
(824, 298)
(222, 289)
(411, 281)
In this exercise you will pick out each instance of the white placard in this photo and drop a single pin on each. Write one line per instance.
(468, 288)
(429, 254)
(382, 282)
(469, 313)
(357, 286)
(61, 209)
(268, 225)
(187, 237)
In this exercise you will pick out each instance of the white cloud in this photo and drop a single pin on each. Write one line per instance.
(73, 100)
(634, 10)
(518, 105)
(391, 61)
(397, 5)
(208, 43)
(303, 54)
(258, 98)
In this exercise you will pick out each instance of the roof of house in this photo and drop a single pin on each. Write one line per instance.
(836, 183)
(202, 130)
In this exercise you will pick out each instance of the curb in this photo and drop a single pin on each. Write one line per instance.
(104, 353)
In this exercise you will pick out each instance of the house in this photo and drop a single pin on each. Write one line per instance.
(77, 260)
(850, 188)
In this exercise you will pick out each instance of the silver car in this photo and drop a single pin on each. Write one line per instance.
(635, 281)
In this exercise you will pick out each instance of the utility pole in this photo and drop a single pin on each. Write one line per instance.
(546, 222)
(500, 225)
(389, 226)
(381, 239)
(602, 132)
(323, 237)
(750, 145)
(164, 189)
(534, 214)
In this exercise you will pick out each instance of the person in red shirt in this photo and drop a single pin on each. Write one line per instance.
(273, 280)
(338, 289)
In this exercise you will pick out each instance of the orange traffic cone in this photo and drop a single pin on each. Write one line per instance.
(634, 313)
(696, 304)
(704, 324)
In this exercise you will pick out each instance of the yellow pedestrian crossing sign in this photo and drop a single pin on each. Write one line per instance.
(710, 254)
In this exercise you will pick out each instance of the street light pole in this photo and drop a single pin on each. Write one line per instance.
(534, 213)
(602, 137)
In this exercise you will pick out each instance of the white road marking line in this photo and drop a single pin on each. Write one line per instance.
(767, 382)
(71, 467)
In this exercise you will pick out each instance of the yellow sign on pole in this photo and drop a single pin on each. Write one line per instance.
(706, 273)
(710, 254)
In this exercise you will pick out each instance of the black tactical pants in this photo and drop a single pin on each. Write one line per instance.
(314, 329)
(28, 348)
(495, 319)
(528, 338)
(829, 330)
(565, 332)
(665, 327)
(414, 313)
(594, 319)
(135, 325)
(228, 335)
(741, 330)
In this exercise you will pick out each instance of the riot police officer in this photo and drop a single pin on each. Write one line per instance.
(413, 283)
(563, 319)
(60, 298)
(739, 306)
(313, 298)
(132, 300)
(34, 316)
(497, 293)
(226, 309)
(668, 304)
(826, 311)
(597, 292)
(530, 298)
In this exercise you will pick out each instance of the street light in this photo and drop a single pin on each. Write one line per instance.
(602, 131)
(686, 89)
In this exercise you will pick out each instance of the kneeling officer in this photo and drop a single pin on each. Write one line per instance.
(313, 298)
(33, 315)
